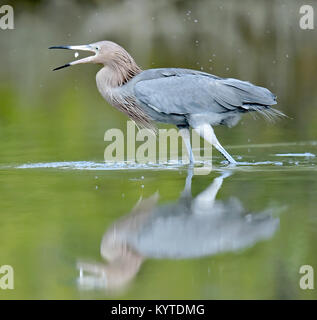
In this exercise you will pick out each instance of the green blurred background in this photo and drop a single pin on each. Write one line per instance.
(62, 112)
(51, 218)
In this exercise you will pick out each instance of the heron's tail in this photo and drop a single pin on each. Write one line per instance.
(253, 98)
(267, 112)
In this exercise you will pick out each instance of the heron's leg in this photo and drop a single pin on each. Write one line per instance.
(185, 134)
(207, 132)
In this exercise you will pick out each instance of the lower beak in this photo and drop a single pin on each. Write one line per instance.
(79, 48)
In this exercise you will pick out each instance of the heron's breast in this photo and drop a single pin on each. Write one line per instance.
(105, 90)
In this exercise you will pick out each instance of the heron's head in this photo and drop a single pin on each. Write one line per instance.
(105, 52)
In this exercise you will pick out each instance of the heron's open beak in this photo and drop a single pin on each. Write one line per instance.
(81, 48)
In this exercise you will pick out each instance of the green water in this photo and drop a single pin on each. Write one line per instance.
(54, 218)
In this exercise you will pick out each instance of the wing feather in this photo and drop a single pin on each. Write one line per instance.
(193, 92)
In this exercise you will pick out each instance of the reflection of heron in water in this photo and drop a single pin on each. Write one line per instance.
(189, 228)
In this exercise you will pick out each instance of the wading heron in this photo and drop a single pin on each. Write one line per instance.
(183, 97)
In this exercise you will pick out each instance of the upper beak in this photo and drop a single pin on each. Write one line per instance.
(81, 48)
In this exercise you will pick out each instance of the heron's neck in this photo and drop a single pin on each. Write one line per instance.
(119, 72)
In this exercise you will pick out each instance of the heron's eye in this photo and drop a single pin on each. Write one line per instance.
(97, 48)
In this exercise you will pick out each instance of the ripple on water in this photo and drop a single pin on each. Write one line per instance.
(296, 155)
(170, 165)
(305, 154)
(91, 165)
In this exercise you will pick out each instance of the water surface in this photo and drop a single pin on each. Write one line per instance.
(83, 230)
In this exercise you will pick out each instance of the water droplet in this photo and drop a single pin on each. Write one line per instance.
(76, 54)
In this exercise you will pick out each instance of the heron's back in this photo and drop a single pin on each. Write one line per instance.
(184, 96)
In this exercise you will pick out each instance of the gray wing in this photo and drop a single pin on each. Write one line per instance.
(189, 91)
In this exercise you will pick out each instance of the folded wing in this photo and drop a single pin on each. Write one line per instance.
(188, 92)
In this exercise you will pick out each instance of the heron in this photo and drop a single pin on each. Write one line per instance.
(183, 97)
